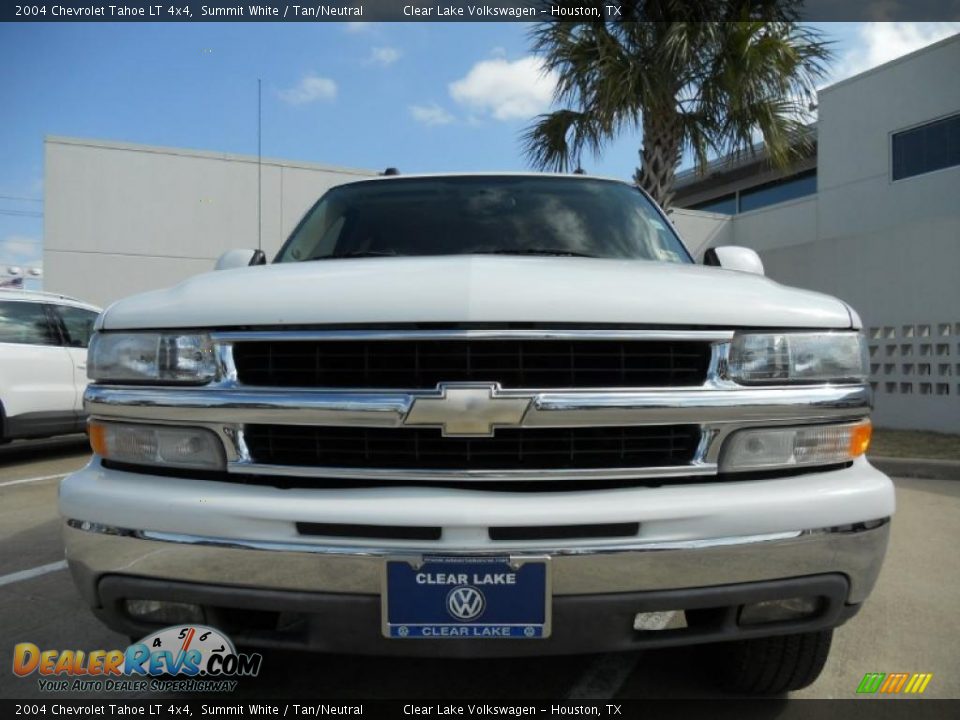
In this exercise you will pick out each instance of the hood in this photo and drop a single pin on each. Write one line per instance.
(476, 289)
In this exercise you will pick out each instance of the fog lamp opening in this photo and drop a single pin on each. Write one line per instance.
(660, 620)
(161, 611)
(770, 611)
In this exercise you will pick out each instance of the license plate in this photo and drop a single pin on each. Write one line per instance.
(467, 597)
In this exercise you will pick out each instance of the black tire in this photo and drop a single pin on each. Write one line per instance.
(774, 665)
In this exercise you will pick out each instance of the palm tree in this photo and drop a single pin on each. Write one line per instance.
(704, 76)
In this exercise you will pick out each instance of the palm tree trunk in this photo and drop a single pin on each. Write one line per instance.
(659, 158)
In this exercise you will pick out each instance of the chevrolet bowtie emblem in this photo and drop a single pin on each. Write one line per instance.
(468, 409)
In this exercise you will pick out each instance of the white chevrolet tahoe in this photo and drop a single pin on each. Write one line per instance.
(484, 415)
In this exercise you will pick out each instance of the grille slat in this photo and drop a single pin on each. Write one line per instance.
(423, 364)
(508, 449)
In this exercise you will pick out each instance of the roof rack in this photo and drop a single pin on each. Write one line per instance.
(42, 293)
(390, 171)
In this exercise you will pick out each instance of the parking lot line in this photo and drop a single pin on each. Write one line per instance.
(32, 572)
(24, 481)
(604, 677)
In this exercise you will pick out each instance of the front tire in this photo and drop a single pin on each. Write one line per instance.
(774, 665)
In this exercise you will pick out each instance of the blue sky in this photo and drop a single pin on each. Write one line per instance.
(422, 97)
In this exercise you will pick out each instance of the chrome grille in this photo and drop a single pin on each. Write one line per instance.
(315, 421)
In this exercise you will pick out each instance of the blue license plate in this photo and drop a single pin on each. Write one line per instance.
(467, 597)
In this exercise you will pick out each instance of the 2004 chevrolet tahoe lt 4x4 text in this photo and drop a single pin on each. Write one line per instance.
(484, 415)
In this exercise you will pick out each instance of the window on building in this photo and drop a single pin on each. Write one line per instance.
(790, 188)
(930, 147)
(726, 205)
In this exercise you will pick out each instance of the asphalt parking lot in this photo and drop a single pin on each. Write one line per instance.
(910, 624)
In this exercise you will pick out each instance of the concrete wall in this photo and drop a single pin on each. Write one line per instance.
(702, 230)
(139, 218)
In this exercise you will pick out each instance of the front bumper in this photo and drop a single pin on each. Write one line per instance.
(340, 623)
(279, 597)
(707, 548)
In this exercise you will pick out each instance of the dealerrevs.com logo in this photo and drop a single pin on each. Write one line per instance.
(180, 658)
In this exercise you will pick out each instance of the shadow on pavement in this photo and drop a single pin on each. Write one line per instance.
(21, 451)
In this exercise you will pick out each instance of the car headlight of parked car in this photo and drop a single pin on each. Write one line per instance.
(782, 358)
(151, 358)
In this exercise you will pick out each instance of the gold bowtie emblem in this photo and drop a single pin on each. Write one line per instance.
(468, 410)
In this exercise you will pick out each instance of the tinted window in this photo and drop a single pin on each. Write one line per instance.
(78, 325)
(777, 192)
(26, 323)
(726, 205)
(494, 214)
(933, 146)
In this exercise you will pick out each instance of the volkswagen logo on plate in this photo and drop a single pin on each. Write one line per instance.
(465, 603)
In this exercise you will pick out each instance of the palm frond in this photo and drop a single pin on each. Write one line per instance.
(671, 67)
(556, 141)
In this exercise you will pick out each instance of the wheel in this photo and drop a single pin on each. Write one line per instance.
(774, 665)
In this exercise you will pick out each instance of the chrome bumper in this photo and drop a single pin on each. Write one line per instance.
(856, 551)
(719, 411)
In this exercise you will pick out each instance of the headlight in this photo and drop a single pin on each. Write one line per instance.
(164, 445)
(769, 359)
(790, 447)
(151, 357)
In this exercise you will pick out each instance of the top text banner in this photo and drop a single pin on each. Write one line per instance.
(446, 11)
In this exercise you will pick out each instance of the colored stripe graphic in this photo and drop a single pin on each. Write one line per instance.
(893, 683)
(918, 683)
(871, 682)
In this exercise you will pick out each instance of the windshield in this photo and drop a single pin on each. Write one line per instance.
(490, 215)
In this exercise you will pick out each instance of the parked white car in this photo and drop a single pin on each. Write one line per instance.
(484, 415)
(43, 363)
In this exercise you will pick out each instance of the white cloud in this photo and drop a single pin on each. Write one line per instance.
(880, 42)
(310, 89)
(499, 51)
(20, 250)
(383, 56)
(506, 90)
(431, 114)
(357, 27)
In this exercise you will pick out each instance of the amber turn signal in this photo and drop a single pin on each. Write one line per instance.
(98, 438)
(860, 438)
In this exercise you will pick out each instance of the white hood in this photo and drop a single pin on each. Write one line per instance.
(476, 289)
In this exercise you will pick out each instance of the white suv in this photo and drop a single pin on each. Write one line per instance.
(484, 415)
(43, 363)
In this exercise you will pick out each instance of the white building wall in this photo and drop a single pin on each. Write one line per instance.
(702, 230)
(890, 249)
(120, 219)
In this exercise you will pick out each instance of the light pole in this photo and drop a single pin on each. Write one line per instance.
(13, 276)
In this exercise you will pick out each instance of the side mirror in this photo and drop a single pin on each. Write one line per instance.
(734, 257)
(240, 258)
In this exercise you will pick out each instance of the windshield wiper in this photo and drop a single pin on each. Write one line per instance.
(359, 254)
(503, 251)
(533, 251)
